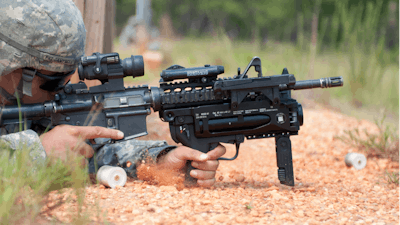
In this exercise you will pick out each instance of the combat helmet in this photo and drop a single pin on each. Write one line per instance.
(41, 35)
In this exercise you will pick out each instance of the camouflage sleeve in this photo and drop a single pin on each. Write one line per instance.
(28, 140)
(134, 151)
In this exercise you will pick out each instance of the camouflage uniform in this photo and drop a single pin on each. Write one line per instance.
(134, 151)
(28, 140)
(50, 35)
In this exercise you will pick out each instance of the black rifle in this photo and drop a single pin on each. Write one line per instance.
(202, 111)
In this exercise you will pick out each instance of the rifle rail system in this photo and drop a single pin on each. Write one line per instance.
(202, 111)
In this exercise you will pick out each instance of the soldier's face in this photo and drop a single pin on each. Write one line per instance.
(10, 81)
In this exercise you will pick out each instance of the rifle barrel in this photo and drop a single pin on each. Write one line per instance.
(40, 110)
(326, 82)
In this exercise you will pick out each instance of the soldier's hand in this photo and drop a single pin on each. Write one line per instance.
(62, 138)
(206, 164)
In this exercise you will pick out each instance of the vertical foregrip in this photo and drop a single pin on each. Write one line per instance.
(284, 159)
(189, 180)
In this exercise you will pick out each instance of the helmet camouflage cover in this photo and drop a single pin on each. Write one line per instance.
(41, 34)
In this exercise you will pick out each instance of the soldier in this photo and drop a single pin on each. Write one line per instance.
(41, 42)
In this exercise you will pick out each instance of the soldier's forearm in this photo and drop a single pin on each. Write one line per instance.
(26, 140)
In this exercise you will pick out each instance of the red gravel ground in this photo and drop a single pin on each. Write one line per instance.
(247, 189)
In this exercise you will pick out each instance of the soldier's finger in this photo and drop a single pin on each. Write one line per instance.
(92, 132)
(206, 183)
(185, 153)
(202, 175)
(217, 152)
(85, 150)
(209, 165)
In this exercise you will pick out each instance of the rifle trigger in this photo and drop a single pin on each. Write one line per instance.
(96, 147)
(234, 157)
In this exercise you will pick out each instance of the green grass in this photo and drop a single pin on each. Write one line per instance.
(383, 144)
(24, 184)
(249, 206)
(392, 177)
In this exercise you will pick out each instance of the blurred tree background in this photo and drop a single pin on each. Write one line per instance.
(283, 21)
(356, 39)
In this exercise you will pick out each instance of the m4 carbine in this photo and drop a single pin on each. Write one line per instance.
(202, 111)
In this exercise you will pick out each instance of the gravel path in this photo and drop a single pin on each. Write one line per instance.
(247, 189)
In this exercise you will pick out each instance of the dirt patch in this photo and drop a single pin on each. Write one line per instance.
(247, 190)
(160, 176)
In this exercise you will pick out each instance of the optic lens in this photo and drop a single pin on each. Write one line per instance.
(133, 66)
